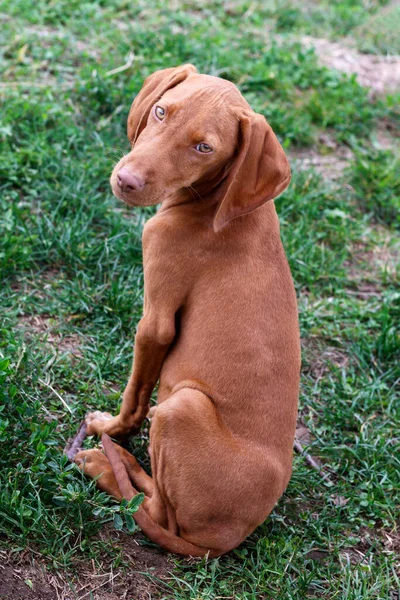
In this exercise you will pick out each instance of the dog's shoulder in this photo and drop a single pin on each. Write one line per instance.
(167, 231)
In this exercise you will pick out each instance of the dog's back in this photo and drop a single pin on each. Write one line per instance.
(237, 333)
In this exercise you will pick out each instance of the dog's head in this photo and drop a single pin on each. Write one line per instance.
(197, 131)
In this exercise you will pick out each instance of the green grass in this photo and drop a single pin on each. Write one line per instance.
(324, 18)
(374, 176)
(72, 285)
(379, 33)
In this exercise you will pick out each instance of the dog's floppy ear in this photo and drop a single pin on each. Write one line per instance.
(153, 88)
(260, 171)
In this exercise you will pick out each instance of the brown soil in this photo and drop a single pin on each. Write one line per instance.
(387, 541)
(47, 35)
(381, 74)
(366, 266)
(330, 165)
(46, 327)
(24, 578)
(303, 434)
(319, 357)
(27, 583)
(387, 135)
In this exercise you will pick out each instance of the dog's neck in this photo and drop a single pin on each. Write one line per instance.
(204, 191)
(261, 224)
(189, 195)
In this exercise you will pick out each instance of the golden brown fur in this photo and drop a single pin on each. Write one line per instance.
(219, 329)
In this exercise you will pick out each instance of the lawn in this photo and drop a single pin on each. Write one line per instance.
(72, 290)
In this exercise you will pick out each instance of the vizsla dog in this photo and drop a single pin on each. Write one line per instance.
(219, 330)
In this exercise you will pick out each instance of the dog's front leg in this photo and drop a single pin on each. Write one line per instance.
(153, 338)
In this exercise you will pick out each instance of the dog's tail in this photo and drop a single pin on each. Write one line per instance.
(153, 530)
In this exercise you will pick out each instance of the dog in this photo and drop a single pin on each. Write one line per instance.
(220, 326)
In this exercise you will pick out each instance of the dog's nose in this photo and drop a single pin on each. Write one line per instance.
(127, 182)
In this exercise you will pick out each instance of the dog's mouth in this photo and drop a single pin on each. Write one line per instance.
(144, 197)
(127, 198)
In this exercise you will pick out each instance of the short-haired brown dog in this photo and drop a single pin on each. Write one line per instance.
(220, 328)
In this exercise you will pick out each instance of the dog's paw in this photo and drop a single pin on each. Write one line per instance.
(92, 462)
(96, 421)
(88, 456)
(97, 415)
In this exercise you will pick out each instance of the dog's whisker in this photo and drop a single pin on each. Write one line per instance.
(191, 190)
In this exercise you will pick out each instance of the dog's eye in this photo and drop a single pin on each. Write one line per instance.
(204, 148)
(160, 112)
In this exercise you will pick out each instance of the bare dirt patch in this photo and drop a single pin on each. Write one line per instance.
(48, 35)
(386, 541)
(330, 163)
(24, 578)
(42, 70)
(47, 329)
(368, 266)
(303, 434)
(387, 135)
(391, 541)
(381, 74)
(39, 285)
(319, 357)
(17, 583)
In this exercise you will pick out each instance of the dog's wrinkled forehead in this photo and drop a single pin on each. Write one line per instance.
(214, 87)
(203, 96)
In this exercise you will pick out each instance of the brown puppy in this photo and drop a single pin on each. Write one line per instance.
(220, 329)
